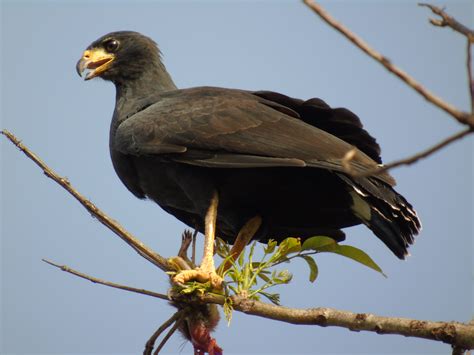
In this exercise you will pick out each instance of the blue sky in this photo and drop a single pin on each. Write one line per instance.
(274, 45)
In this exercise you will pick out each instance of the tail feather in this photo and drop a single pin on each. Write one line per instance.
(392, 232)
(389, 234)
(387, 213)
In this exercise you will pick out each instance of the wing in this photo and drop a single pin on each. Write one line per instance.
(217, 127)
(340, 122)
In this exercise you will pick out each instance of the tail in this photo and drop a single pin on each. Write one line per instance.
(387, 213)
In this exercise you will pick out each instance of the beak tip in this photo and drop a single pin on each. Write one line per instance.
(80, 67)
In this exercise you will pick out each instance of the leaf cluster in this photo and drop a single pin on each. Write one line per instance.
(251, 279)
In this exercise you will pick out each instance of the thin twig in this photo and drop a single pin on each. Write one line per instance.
(462, 117)
(412, 159)
(110, 223)
(469, 74)
(151, 342)
(106, 283)
(168, 336)
(449, 21)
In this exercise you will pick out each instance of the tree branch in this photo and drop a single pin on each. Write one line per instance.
(470, 80)
(175, 318)
(449, 21)
(151, 342)
(107, 283)
(462, 117)
(168, 336)
(407, 161)
(459, 335)
(110, 223)
(454, 333)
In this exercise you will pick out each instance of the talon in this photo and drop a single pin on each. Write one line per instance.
(198, 275)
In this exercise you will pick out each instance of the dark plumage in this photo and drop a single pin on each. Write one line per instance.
(264, 153)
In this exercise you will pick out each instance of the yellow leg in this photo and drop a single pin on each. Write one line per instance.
(206, 271)
(207, 263)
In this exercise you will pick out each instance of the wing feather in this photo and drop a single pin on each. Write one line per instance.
(236, 128)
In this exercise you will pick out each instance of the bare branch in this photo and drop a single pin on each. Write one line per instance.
(449, 21)
(470, 80)
(110, 223)
(151, 342)
(454, 333)
(410, 160)
(168, 336)
(176, 318)
(457, 334)
(106, 283)
(462, 117)
(346, 161)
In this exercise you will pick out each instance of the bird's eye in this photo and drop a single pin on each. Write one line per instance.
(111, 45)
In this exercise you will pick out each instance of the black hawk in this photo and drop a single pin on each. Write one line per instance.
(217, 158)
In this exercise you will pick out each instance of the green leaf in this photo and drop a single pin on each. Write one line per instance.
(233, 289)
(255, 297)
(193, 286)
(246, 275)
(227, 260)
(241, 259)
(264, 277)
(252, 249)
(283, 277)
(235, 273)
(264, 269)
(228, 308)
(273, 297)
(319, 243)
(270, 248)
(358, 255)
(288, 246)
(222, 248)
(313, 267)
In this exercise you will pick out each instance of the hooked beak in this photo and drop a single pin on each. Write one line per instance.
(97, 60)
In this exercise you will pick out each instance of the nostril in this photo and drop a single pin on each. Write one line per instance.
(86, 55)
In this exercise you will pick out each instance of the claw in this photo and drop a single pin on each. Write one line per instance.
(199, 275)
